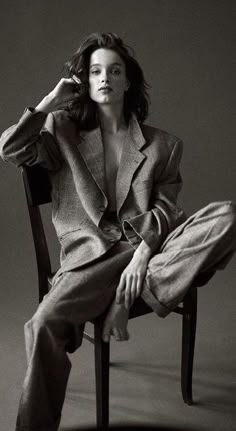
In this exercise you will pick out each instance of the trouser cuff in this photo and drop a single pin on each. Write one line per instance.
(160, 309)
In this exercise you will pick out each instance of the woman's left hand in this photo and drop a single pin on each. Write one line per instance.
(131, 280)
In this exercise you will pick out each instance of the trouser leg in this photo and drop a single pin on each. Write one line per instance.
(56, 328)
(201, 245)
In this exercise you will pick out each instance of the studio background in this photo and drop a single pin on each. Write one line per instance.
(187, 51)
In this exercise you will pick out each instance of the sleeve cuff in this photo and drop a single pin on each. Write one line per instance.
(135, 238)
(30, 110)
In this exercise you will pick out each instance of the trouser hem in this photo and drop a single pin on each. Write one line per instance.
(160, 309)
(52, 427)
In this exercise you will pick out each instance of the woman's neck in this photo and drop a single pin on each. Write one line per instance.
(111, 119)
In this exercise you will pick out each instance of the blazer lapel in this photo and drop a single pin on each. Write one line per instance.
(131, 159)
(91, 149)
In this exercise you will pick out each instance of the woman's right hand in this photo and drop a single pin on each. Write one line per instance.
(65, 91)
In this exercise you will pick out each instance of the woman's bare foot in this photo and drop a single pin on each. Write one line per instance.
(116, 323)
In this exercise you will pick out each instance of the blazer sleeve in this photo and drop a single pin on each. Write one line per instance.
(164, 215)
(31, 141)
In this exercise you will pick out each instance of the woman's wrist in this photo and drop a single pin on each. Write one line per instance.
(143, 251)
(46, 105)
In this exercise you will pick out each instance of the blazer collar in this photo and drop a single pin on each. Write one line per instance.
(135, 133)
(92, 151)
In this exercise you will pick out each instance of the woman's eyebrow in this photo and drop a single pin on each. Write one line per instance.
(112, 64)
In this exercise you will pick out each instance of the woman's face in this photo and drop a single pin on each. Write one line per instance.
(107, 77)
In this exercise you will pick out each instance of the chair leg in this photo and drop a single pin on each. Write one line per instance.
(188, 344)
(102, 357)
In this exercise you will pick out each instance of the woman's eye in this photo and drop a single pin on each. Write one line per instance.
(95, 72)
(116, 71)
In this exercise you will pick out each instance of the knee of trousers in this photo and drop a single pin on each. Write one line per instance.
(226, 212)
(43, 326)
(48, 327)
(35, 328)
(229, 215)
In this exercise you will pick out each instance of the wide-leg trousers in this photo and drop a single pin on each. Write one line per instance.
(201, 245)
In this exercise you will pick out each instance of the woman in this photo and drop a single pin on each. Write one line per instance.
(115, 183)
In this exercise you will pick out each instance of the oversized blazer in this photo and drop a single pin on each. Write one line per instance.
(148, 182)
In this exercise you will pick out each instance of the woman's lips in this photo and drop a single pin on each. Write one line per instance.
(105, 89)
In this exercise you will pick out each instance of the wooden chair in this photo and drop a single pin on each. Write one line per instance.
(37, 189)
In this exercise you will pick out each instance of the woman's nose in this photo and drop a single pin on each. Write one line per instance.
(105, 77)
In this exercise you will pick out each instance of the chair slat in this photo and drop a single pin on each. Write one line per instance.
(37, 188)
(37, 185)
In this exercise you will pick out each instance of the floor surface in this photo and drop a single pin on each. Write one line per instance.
(145, 371)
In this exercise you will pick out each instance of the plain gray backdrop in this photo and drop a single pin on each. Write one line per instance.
(187, 51)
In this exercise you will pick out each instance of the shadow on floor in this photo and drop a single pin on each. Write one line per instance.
(131, 428)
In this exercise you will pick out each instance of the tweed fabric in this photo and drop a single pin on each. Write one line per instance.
(95, 247)
(203, 244)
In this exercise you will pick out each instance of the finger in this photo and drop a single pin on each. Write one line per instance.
(76, 79)
(133, 291)
(106, 334)
(139, 286)
(128, 285)
(65, 81)
(106, 337)
(123, 335)
(126, 335)
(117, 334)
(122, 298)
(119, 290)
(72, 84)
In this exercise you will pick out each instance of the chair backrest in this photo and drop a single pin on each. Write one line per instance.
(38, 192)
(37, 185)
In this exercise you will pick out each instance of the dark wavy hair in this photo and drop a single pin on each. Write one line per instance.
(136, 100)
